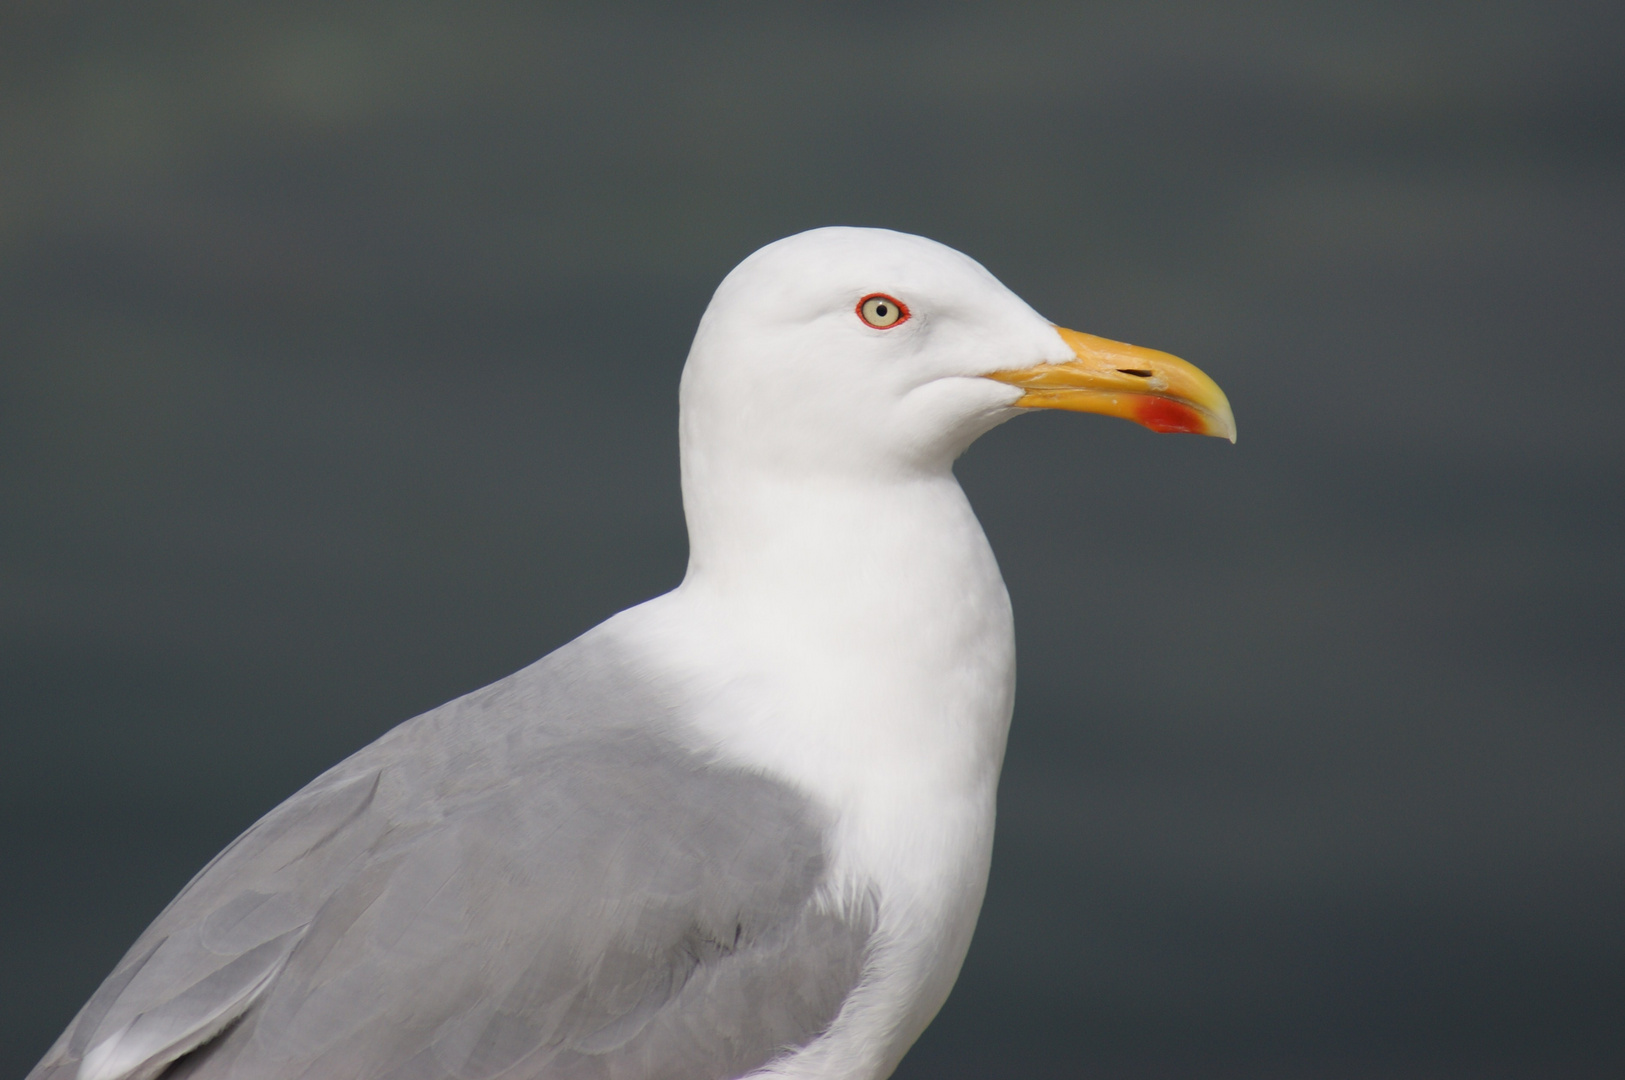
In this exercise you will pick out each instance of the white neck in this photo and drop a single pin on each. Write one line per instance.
(879, 601)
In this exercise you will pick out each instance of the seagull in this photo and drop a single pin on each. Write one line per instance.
(740, 830)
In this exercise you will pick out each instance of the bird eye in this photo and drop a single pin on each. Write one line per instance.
(881, 311)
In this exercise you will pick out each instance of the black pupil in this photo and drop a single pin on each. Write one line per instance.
(880, 311)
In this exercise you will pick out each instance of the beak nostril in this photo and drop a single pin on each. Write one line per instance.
(1143, 373)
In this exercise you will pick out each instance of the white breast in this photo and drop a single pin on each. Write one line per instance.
(867, 657)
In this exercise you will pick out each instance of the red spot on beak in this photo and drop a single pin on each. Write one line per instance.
(1160, 414)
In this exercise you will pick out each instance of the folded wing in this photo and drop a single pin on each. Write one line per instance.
(529, 878)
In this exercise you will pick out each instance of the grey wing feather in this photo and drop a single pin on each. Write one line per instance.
(212, 951)
(534, 880)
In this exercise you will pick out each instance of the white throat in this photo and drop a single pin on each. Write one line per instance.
(878, 611)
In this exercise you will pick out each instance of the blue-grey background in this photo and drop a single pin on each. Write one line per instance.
(338, 355)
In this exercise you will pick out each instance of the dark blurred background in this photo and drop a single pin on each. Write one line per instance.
(338, 356)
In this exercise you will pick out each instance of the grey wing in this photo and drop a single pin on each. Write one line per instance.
(574, 903)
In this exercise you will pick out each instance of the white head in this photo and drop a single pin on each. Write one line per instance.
(787, 375)
(871, 356)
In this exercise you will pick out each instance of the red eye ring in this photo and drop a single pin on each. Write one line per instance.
(882, 312)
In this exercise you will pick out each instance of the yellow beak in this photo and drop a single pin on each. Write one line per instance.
(1152, 388)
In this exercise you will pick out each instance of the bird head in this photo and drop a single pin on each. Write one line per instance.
(870, 352)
